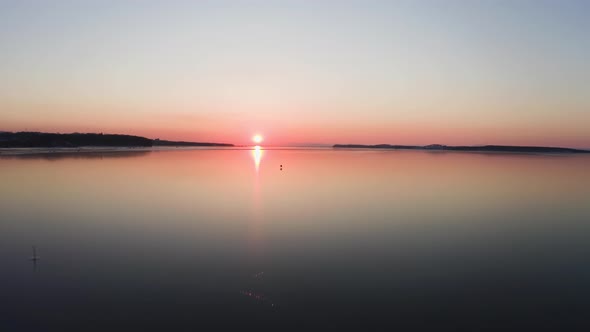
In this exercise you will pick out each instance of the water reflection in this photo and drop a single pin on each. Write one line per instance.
(257, 155)
(258, 297)
(379, 237)
(58, 155)
(255, 236)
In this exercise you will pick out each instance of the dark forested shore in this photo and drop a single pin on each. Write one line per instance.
(45, 140)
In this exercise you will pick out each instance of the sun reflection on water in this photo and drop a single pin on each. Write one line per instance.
(257, 155)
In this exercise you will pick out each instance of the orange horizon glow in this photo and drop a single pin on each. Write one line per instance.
(309, 134)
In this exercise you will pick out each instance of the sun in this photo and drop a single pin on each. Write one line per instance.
(257, 139)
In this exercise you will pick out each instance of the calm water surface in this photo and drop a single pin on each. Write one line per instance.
(360, 240)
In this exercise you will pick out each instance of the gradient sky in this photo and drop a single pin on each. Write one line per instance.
(405, 72)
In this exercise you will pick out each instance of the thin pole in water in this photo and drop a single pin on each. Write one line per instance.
(34, 258)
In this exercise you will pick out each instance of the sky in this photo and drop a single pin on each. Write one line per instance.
(300, 72)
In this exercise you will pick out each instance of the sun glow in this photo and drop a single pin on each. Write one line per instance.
(257, 139)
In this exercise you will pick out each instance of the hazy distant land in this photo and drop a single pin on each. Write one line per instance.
(76, 140)
(482, 148)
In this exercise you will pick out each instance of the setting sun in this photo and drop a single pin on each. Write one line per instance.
(257, 139)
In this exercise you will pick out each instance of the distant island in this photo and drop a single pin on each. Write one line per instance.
(74, 140)
(482, 148)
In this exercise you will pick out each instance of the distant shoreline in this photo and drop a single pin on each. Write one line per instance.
(79, 140)
(483, 148)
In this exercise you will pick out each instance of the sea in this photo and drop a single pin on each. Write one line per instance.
(294, 239)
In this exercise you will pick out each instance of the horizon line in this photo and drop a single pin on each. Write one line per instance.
(295, 144)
